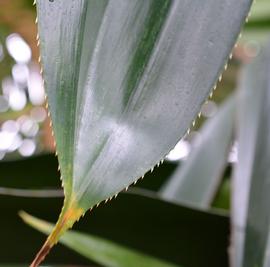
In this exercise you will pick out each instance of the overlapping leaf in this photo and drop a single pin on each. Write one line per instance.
(251, 216)
(124, 81)
(196, 181)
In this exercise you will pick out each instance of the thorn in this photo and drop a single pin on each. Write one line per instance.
(58, 168)
(193, 123)
(106, 200)
(226, 66)
(111, 198)
(220, 78)
(200, 114)
(231, 56)
(162, 161)
(152, 169)
(188, 131)
(135, 182)
(126, 188)
(98, 204)
(211, 94)
(35, 2)
(36, 21)
(115, 196)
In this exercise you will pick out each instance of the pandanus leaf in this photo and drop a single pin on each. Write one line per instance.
(124, 81)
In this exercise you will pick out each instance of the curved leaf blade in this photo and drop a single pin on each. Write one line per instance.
(124, 81)
(196, 181)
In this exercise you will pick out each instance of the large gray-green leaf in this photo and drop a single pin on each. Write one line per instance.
(251, 186)
(102, 251)
(124, 81)
(196, 181)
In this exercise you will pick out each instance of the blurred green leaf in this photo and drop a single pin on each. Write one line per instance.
(100, 250)
(251, 198)
(260, 11)
(257, 29)
(137, 220)
(197, 180)
(124, 82)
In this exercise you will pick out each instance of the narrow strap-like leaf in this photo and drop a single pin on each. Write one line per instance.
(102, 251)
(251, 198)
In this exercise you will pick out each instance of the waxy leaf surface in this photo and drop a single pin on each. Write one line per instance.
(124, 81)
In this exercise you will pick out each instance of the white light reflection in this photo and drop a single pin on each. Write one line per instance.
(20, 73)
(18, 48)
(16, 143)
(180, 151)
(27, 147)
(233, 155)
(17, 99)
(10, 126)
(29, 128)
(6, 139)
(35, 87)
